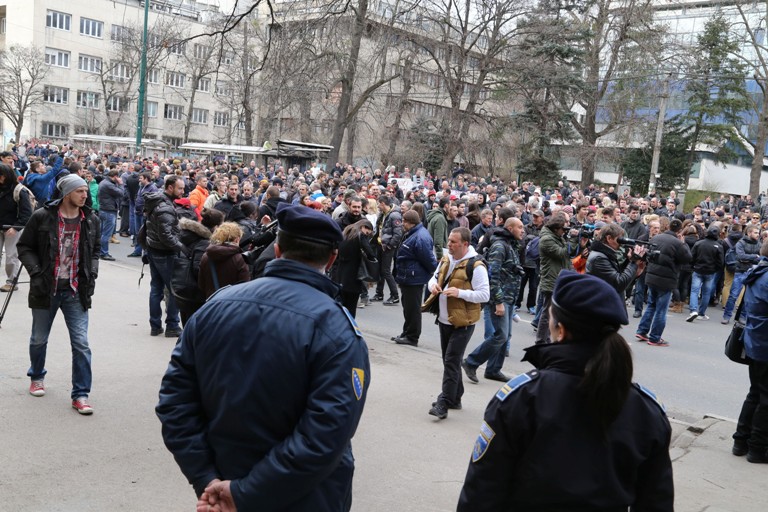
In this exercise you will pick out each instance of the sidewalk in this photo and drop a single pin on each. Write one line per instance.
(56, 460)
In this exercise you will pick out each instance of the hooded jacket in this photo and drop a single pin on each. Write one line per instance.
(415, 260)
(230, 267)
(437, 225)
(756, 308)
(603, 263)
(707, 255)
(553, 257)
(747, 253)
(503, 259)
(662, 272)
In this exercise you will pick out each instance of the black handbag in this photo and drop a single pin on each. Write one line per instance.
(734, 345)
(369, 269)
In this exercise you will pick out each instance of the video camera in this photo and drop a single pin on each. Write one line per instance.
(652, 253)
(260, 242)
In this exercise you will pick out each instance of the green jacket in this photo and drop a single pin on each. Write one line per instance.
(437, 225)
(553, 251)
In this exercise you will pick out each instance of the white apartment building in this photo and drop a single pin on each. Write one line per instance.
(92, 48)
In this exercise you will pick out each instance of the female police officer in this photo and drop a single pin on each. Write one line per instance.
(574, 434)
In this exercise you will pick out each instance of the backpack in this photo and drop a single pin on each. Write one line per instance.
(184, 282)
(532, 250)
(730, 258)
(17, 191)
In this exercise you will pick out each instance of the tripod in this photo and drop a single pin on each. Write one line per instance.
(13, 284)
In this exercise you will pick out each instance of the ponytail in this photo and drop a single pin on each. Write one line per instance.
(607, 378)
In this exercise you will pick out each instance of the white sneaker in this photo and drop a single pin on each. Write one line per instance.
(692, 316)
(703, 317)
(516, 318)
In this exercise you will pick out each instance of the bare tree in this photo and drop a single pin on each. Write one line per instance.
(199, 62)
(22, 72)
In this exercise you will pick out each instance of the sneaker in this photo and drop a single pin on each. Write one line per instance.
(377, 298)
(135, 255)
(637, 314)
(641, 337)
(725, 321)
(81, 405)
(660, 343)
(692, 316)
(156, 332)
(471, 372)
(531, 311)
(361, 305)
(37, 388)
(172, 333)
(108, 257)
(439, 410)
(516, 318)
(392, 301)
(703, 317)
(8, 287)
(450, 406)
(740, 447)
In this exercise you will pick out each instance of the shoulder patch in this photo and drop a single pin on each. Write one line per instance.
(358, 332)
(513, 384)
(650, 394)
(358, 382)
(482, 442)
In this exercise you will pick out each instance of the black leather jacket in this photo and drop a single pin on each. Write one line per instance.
(162, 225)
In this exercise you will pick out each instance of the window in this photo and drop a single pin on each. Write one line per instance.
(174, 141)
(204, 85)
(151, 109)
(58, 58)
(222, 89)
(177, 48)
(88, 99)
(89, 64)
(54, 130)
(174, 79)
(241, 125)
(120, 33)
(2, 25)
(117, 104)
(153, 76)
(220, 119)
(173, 112)
(53, 94)
(89, 27)
(154, 41)
(59, 20)
(199, 116)
(227, 58)
(120, 72)
(202, 51)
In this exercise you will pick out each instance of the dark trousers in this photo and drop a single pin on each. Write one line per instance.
(542, 331)
(639, 296)
(411, 300)
(753, 420)
(531, 278)
(453, 343)
(349, 301)
(385, 267)
(125, 220)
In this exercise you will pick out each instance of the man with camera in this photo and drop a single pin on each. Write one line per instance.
(670, 253)
(608, 261)
(505, 273)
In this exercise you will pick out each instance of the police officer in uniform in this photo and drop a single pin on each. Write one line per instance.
(575, 433)
(268, 381)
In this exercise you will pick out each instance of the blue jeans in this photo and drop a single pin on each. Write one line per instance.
(738, 282)
(108, 221)
(655, 317)
(139, 221)
(704, 283)
(493, 347)
(76, 319)
(161, 271)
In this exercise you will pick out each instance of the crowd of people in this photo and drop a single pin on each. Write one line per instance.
(458, 246)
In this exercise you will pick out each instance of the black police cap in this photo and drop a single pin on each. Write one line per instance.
(589, 298)
(307, 224)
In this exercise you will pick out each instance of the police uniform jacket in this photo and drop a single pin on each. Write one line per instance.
(265, 388)
(540, 449)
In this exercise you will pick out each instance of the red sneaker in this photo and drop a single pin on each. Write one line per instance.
(81, 405)
(660, 343)
(37, 388)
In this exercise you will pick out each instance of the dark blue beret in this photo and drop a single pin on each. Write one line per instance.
(307, 224)
(588, 298)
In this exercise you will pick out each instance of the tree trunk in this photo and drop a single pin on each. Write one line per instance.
(757, 162)
(188, 123)
(351, 132)
(19, 125)
(348, 81)
(692, 150)
(395, 133)
(305, 115)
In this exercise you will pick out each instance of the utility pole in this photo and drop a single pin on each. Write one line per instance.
(142, 79)
(659, 132)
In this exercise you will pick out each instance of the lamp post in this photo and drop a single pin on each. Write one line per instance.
(142, 79)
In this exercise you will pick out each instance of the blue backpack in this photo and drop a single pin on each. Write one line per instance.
(730, 258)
(532, 250)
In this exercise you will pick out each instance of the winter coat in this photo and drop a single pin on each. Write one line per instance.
(110, 195)
(747, 253)
(707, 256)
(503, 259)
(415, 260)
(633, 229)
(162, 226)
(554, 256)
(38, 245)
(269, 207)
(603, 263)
(197, 197)
(756, 309)
(391, 230)
(437, 225)
(141, 197)
(230, 267)
(531, 232)
(664, 271)
(478, 232)
(11, 212)
(348, 263)
(40, 184)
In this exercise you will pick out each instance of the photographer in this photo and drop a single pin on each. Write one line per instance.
(604, 259)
